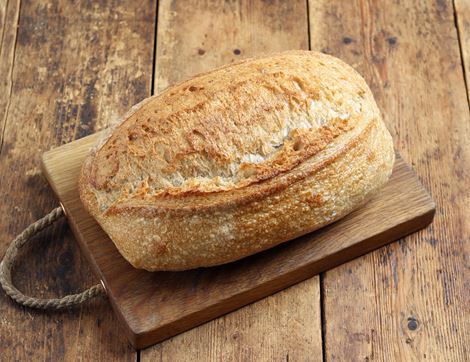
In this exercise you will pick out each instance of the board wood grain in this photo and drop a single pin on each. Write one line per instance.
(155, 306)
(410, 300)
(66, 69)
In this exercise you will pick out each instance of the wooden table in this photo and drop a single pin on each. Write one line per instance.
(69, 69)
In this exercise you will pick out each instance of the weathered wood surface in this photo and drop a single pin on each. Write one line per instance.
(69, 69)
(195, 36)
(282, 327)
(404, 301)
(410, 300)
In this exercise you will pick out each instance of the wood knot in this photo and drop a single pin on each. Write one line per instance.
(392, 40)
(412, 323)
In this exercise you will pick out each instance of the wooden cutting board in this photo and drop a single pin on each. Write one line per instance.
(155, 306)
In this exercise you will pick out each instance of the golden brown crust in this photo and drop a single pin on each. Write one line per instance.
(237, 160)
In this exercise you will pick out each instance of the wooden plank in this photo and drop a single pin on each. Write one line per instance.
(77, 67)
(155, 306)
(9, 14)
(248, 333)
(462, 12)
(195, 36)
(407, 301)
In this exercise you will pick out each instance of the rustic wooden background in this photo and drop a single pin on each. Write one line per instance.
(68, 69)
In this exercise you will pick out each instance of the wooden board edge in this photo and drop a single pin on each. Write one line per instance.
(131, 334)
(145, 338)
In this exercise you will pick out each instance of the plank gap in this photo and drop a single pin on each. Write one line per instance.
(461, 50)
(154, 56)
(322, 318)
(308, 26)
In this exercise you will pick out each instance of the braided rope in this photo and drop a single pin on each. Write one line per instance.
(9, 260)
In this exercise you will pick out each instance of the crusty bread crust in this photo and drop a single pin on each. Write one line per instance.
(237, 160)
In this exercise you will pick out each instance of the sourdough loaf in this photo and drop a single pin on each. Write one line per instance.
(237, 160)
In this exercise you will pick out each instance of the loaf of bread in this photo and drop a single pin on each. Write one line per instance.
(238, 160)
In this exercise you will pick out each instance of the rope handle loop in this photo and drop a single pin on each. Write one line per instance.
(9, 260)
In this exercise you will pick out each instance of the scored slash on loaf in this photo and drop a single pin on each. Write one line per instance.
(237, 160)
